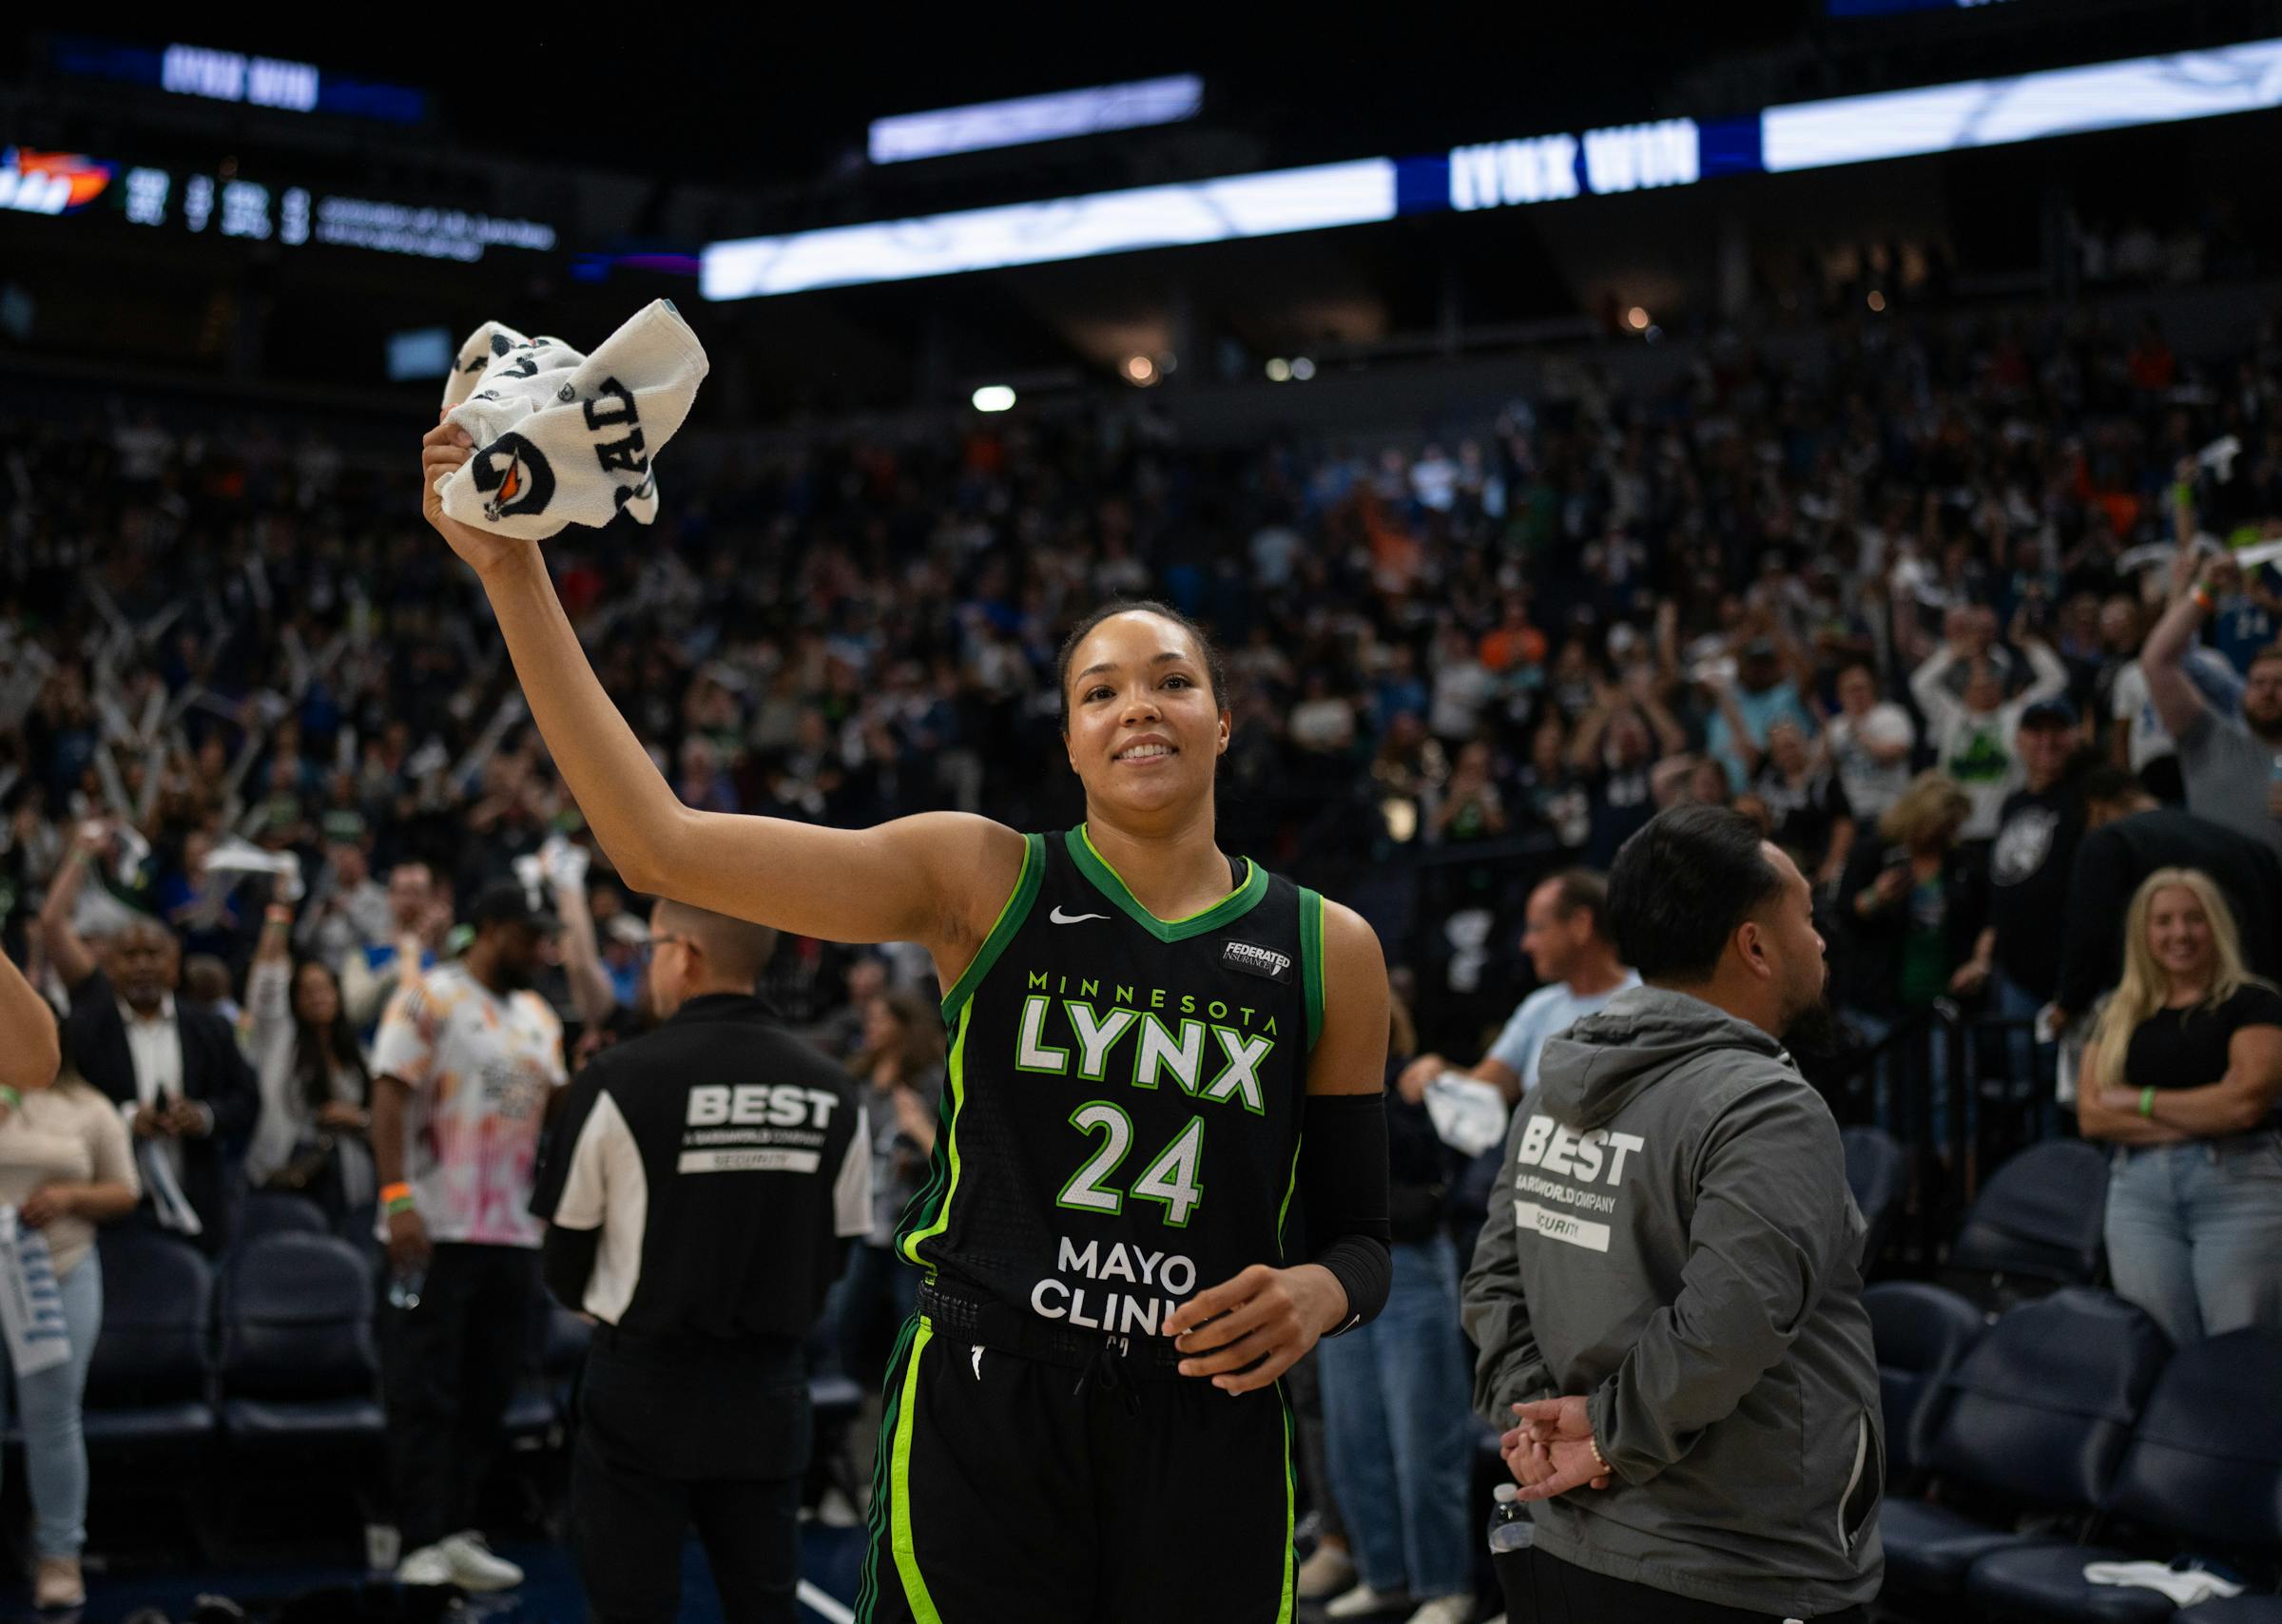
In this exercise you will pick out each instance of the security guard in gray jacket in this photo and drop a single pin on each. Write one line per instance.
(702, 1181)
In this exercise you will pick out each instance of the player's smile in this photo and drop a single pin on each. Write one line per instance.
(1149, 750)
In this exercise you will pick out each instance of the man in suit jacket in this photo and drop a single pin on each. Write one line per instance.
(196, 1095)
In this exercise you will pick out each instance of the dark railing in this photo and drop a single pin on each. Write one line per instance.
(1961, 1092)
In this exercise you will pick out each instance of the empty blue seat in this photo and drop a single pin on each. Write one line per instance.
(276, 1212)
(1878, 1174)
(2033, 1417)
(300, 1367)
(1920, 1332)
(149, 1378)
(2203, 1467)
(2037, 1225)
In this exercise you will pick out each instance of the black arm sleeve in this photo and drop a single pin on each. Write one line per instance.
(567, 1262)
(1343, 1187)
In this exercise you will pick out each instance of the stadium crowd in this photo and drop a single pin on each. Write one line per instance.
(1935, 611)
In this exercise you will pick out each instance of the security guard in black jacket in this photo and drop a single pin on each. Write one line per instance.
(700, 1185)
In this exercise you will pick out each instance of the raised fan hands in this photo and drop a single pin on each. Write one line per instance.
(1550, 1449)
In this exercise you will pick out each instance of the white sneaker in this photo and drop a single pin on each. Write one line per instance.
(1362, 1601)
(474, 1566)
(1329, 1572)
(1445, 1610)
(428, 1565)
(835, 1510)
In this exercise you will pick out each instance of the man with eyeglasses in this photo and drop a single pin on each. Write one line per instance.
(699, 1192)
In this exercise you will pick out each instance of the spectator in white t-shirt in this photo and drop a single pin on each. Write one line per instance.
(1566, 938)
(467, 1065)
(1973, 736)
(1869, 741)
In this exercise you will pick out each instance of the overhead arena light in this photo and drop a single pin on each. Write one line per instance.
(1538, 168)
(2032, 106)
(1266, 205)
(993, 398)
(1026, 119)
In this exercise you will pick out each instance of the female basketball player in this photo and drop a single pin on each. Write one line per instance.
(1154, 1049)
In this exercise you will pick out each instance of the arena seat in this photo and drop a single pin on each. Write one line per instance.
(2202, 1473)
(2036, 1226)
(149, 1379)
(1878, 1174)
(276, 1212)
(299, 1366)
(2032, 1419)
(1920, 1332)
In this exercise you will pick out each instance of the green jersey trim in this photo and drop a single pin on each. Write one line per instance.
(907, 1557)
(1291, 1511)
(1111, 884)
(1011, 915)
(1311, 960)
(933, 1203)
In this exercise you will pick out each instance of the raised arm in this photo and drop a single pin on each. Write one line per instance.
(590, 989)
(269, 983)
(1669, 736)
(1584, 747)
(74, 960)
(2048, 677)
(1739, 731)
(1934, 701)
(2163, 661)
(938, 879)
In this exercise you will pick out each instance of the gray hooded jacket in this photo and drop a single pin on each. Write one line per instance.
(1674, 1237)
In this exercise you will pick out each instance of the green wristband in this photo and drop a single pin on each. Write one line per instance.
(9, 1098)
(401, 1204)
(2147, 1101)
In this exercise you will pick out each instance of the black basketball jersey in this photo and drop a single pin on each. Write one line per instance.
(1121, 1122)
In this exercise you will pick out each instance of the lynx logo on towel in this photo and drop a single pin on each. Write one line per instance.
(515, 477)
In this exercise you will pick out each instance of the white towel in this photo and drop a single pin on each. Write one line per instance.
(1469, 1116)
(2187, 1587)
(153, 1161)
(32, 1301)
(564, 438)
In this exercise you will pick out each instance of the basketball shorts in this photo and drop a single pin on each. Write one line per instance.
(1070, 1481)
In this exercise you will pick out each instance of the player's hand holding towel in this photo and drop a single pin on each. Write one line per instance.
(544, 436)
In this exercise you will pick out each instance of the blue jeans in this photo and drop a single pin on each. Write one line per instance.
(2195, 1232)
(56, 1452)
(2031, 1057)
(1400, 1432)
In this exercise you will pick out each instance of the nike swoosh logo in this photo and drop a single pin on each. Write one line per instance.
(1061, 919)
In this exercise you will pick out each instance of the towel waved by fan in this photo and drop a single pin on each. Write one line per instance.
(562, 437)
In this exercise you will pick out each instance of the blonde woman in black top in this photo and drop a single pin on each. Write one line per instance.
(2182, 1075)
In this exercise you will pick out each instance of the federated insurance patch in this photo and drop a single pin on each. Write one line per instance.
(1256, 960)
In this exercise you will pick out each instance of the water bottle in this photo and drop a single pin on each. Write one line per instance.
(404, 1289)
(1510, 1527)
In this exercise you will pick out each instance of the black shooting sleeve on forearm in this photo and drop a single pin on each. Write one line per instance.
(1342, 1191)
